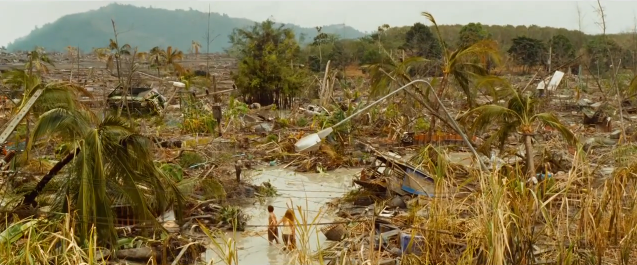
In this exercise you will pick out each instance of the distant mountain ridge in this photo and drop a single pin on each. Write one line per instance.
(147, 27)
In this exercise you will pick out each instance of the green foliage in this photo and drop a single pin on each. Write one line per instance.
(527, 51)
(265, 53)
(147, 27)
(420, 41)
(324, 121)
(266, 189)
(321, 38)
(302, 122)
(372, 56)
(314, 63)
(174, 171)
(601, 51)
(196, 118)
(187, 159)
(230, 214)
(340, 57)
(421, 124)
(471, 34)
(200, 124)
(272, 138)
(114, 164)
(519, 114)
(562, 50)
(213, 189)
(235, 109)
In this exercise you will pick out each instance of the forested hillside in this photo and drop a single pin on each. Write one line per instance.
(147, 28)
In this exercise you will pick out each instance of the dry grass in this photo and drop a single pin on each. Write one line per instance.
(505, 220)
(40, 241)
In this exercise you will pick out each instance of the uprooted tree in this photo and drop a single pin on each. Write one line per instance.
(266, 54)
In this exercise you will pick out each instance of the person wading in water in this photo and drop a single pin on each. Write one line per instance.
(273, 230)
(289, 229)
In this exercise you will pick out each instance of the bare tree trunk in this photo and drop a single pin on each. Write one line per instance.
(119, 75)
(29, 199)
(530, 163)
(436, 106)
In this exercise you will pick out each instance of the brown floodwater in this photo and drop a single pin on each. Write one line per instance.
(311, 191)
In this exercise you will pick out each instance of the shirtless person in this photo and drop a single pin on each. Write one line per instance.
(273, 231)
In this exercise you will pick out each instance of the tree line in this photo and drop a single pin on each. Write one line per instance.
(274, 65)
(522, 46)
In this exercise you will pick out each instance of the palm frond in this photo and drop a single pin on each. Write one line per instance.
(68, 124)
(550, 120)
(500, 136)
(496, 87)
(431, 19)
(114, 164)
(485, 115)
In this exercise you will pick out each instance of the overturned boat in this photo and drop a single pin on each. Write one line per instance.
(389, 174)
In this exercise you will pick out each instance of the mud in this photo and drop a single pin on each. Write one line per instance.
(309, 190)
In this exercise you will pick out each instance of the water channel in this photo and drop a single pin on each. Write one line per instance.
(311, 191)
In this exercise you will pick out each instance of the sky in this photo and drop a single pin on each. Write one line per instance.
(18, 18)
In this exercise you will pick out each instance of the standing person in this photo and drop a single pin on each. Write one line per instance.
(273, 231)
(237, 170)
(289, 229)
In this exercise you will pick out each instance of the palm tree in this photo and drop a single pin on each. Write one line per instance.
(460, 65)
(38, 60)
(117, 52)
(156, 58)
(195, 48)
(111, 163)
(392, 74)
(171, 56)
(111, 54)
(72, 53)
(104, 55)
(168, 57)
(519, 115)
(55, 94)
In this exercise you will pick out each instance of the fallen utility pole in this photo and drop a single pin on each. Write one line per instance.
(13, 123)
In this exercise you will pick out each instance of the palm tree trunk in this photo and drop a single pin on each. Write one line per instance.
(530, 163)
(29, 199)
(436, 106)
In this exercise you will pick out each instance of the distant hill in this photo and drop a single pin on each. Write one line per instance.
(148, 27)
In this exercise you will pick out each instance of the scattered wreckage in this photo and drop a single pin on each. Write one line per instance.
(141, 100)
(390, 174)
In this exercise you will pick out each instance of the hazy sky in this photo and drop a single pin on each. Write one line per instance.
(18, 18)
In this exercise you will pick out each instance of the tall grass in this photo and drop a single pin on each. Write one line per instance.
(571, 219)
(40, 241)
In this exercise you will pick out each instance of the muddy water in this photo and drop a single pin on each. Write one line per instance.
(309, 190)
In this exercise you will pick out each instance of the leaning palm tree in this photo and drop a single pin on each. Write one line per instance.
(460, 65)
(55, 94)
(391, 74)
(109, 162)
(38, 61)
(519, 115)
